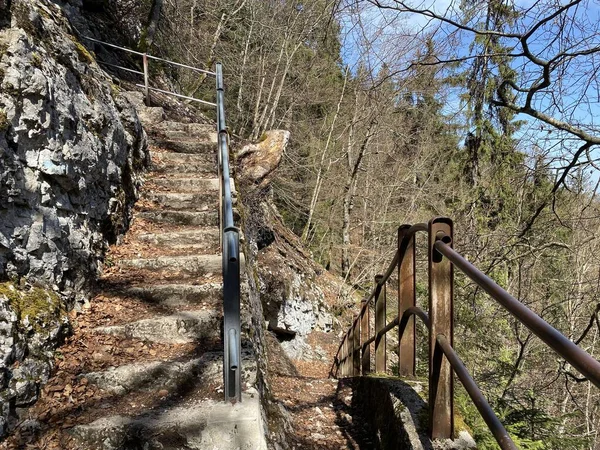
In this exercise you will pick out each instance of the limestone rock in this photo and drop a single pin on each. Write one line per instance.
(72, 152)
(257, 161)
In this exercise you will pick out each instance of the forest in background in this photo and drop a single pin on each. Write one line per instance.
(482, 111)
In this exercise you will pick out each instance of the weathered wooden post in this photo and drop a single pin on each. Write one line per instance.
(357, 342)
(441, 396)
(406, 300)
(364, 332)
(380, 308)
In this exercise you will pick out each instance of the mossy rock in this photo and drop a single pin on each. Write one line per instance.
(82, 52)
(4, 122)
(34, 305)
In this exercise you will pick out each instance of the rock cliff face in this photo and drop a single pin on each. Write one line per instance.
(71, 153)
(293, 304)
(70, 148)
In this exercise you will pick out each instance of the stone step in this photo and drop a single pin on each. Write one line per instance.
(203, 238)
(180, 328)
(179, 130)
(192, 265)
(189, 184)
(200, 219)
(174, 159)
(205, 425)
(170, 375)
(187, 146)
(182, 201)
(177, 294)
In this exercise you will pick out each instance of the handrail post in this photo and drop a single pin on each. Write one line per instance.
(406, 300)
(441, 401)
(345, 367)
(380, 308)
(351, 351)
(357, 342)
(146, 79)
(364, 333)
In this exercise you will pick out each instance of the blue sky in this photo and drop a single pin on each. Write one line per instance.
(375, 36)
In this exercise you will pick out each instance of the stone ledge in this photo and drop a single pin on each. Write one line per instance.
(397, 414)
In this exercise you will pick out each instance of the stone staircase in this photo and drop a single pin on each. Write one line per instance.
(177, 270)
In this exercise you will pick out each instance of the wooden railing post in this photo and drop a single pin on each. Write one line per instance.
(345, 357)
(406, 300)
(380, 308)
(351, 351)
(441, 407)
(364, 333)
(357, 342)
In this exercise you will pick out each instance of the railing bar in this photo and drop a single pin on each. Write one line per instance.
(577, 357)
(415, 311)
(480, 402)
(104, 63)
(150, 56)
(231, 252)
(113, 46)
(178, 95)
(182, 65)
(390, 326)
(409, 233)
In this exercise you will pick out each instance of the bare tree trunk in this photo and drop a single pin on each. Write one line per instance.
(153, 20)
(243, 68)
(319, 181)
(349, 194)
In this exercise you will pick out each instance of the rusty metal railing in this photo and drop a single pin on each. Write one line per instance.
(353, 357)
(146, 57)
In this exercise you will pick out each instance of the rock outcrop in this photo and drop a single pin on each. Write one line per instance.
(71, 148)
(71, 154)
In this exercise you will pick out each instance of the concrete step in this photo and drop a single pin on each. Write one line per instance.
(190, 184)
(200, 219)
(180, 328)
(206, 425)
(187, 146)
(182, 201)
(202, 238)
(177, 294)
(170, 375)
(185, 164)
(178, 130)
(194, 265)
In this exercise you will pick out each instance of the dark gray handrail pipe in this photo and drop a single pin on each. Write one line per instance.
(230, 247)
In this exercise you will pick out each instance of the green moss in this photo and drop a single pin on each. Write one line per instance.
(115, 91)
(36, 60)
(82, 52)
(4, 123)
(35, 304)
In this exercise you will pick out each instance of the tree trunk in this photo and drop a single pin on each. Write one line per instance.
(153, 20)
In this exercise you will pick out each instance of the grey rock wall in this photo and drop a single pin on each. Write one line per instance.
(72, 151)
(71, 147)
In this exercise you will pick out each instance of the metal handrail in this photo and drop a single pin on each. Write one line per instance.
(229, 234)
(443, 359)
(146, 73)
(571, 352)
(230, 246)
